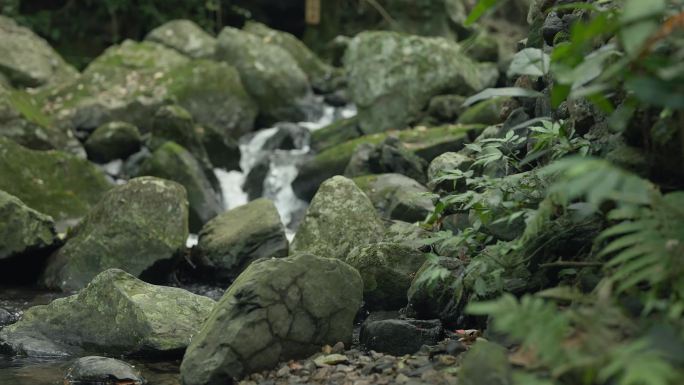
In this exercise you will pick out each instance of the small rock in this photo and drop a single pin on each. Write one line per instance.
(94, 370)
(400, 337)
(6, 317)
(331, 359)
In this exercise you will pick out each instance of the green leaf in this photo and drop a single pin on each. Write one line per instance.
(490, 93)
(530, 61)
(480, 9)
(640, 21)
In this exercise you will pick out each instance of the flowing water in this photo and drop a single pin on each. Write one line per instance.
(277, 186)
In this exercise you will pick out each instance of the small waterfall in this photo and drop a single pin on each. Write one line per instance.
(283, 166)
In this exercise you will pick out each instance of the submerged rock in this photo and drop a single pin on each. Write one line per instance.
(276, 310)
(114, 140)
(270, 75)
(134, 227)
(115, 314)
(27, 60)
(387, 270)
(396, 196)
(230, 242)
(23, 229)
(340, 218)
(52, 182)
(185, 37)
(393, 76)
(400, 336)
(173, 162)
(94, 370)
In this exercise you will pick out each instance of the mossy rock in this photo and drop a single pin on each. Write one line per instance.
(393, 76)
(116, 314)
(428, 143)
(114, 140)
(335, 133)
(396, 196)
(487, 112)
(486, 363)
(269, 73)
(23, 229)
(27, 60)
(185, 37)
(442, 165)
(173, 162)
(438, 290)
(52, 182)
(339, 218)
(231, 241)
(134, 227)
(387, 270)
(277, 310)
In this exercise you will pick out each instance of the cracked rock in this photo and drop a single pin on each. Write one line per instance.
(276, 310)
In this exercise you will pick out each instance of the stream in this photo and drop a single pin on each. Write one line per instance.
(280, 166)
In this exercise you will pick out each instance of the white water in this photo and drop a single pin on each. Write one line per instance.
(283, 169)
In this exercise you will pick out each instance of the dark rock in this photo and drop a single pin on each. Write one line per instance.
(400, 336)
(446, 297)
(446, 108)
(552, 26)
(289, 136)
(114, 140)
(254, 181)
(6, 318)
(486, 363)
(94, 370)
(338, 98)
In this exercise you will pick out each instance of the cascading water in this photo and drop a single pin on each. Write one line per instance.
(283, 166)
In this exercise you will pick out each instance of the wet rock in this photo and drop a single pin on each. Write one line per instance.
(276, 310)
(400, 336)
(6, 318)
(337, 132)
(94, 370)
(317, 71)
(392, 77)
(551, 27)
(289, 136)
(186, 37)
(54, 183)
(444, 298)
(270, 75)
(114, 140)
(390, 156)
(223, 151)
(396, 196)
(27, 60)
(339, 218)
(173, 162)
(22, 120)
(442, 165)
(426, 143)
(23, 229)
(387, 270)
(115, 314)
(134, 227)
(254, 181)
(486, 363)
(230, 242)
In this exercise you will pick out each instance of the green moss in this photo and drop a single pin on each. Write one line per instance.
(487, 112)
(337, 132)
(28, 108)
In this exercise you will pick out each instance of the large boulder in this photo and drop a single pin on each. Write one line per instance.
(276, 310)
(387, 270)
(340, 217)
(52, 182)
(22, 121)
(186, 37)
(393, 76)
(426, 143)
(396, 196)
(269, 74)
(115, 314)
(173, 162)
(28, 60)
(23, 229)
(175, 124)
(317, 71)
(134, 227)
(230, 242)
(114, 140)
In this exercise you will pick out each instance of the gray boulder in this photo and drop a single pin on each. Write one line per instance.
(340, 218)
(102, 370)
(134, 227)
(396, 196)
(185, 37)
(27, 60)
(387, 270)
(23, 229)
(114, 140)
(173, 162)
(276, 310)
(115, 314)
(393, 76)
(231, 241)
(270, 75)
